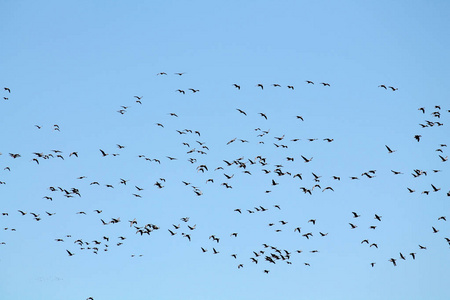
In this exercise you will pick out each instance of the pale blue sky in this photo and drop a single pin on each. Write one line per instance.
(75, 63)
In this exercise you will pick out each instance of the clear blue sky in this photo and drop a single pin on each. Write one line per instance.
(75, 63)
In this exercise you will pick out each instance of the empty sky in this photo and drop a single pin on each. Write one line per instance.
(76, 63)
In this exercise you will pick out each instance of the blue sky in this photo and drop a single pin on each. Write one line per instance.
(75, 64)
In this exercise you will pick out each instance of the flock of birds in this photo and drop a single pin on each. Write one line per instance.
(224, 174)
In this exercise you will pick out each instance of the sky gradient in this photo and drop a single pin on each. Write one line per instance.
(77, 64)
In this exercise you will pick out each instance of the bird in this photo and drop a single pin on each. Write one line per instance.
(355, 215)
(305, 159)
(241, 111)
(103, 153)
(389, 149)
(443, 159)
(237, 86)
(435, 189)
(393, 260)
(70, 253)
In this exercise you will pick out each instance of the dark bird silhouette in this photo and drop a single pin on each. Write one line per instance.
(435, 189)
(103, 153)
(389, 149)
(355, 215)
(263, 115)
(241, 111)
(443, 159)
(306, 160)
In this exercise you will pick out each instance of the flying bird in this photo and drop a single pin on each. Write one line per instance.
(389, 149)
(103, 153)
